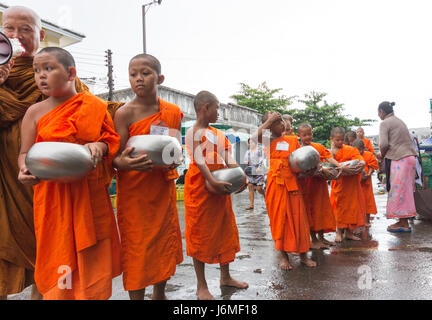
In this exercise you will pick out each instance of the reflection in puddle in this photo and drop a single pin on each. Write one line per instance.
(355, 246)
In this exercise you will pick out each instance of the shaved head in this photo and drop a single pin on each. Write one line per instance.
(24, 24)
(23, 11)
(351, 134)
(154, 62)
(266, 116)
(304, 126)
(62, 56)
(203, 98)
(337, 131)
(359, 144)
(289, 118)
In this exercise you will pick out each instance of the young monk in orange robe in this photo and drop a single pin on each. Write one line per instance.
(288, 217)
(147, 199)
(316, 194)
(289, 121)
(346, 195)
(211, 232)
(366, 141)
(366, 182)
(78, 247)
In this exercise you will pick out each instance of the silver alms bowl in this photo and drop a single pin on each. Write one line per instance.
(304, 159)
(59, 161)
(161, 150)
(235, 176)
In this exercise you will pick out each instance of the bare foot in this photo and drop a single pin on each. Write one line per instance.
(339, 238)
(316, 245)
(307, 262)
(351, 236)
(327, 243)
(204, 294)
(284, 263)
(234, 283)
(250, 208)
(324, 246)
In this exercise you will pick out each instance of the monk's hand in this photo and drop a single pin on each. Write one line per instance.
(221, 187)
(97, 150)
(273, 117)
(26, 178)
(125, 161)
(5, 71)
(309, 173)
(338, 172)
(242, 188)
(350, 171)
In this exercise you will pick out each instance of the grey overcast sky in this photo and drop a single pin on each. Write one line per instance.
(359, 52)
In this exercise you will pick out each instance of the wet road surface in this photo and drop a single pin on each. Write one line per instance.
(385, 266)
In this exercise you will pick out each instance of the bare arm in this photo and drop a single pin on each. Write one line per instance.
(333, 162)
(197, 154)
(349, 171)
(123, 160)
(257, 136)
(28, 138)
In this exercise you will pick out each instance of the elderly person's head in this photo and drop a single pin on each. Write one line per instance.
(25, 25)
(385, 108)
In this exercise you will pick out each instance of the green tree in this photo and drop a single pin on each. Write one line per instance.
(323, 117)
(262, 99)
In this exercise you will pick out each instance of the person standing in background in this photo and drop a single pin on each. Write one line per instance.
(254, 159)
(398, 151)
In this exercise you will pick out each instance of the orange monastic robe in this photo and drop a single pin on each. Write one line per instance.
(317, 199)
(147, 213)
(17, 238)
(211, 231)
(346, 195)
(367, 187)
(74, 222)
(368, 145)
(288, 217)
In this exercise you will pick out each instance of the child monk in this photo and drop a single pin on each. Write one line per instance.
(366, 182)
(366, 141)
(350, 137)
(346, 195)
(316, 194)
(78, 248)
(211, 232)
(288, 217)
(147, 204)
(289, 121)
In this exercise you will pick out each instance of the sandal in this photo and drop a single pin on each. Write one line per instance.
(400, 229)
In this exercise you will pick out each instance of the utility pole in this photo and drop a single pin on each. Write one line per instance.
(110, 74)
(144, 11)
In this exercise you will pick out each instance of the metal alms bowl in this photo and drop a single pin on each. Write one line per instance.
(304, 159)
(59, 161)
(235, 176)
(161, 150)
